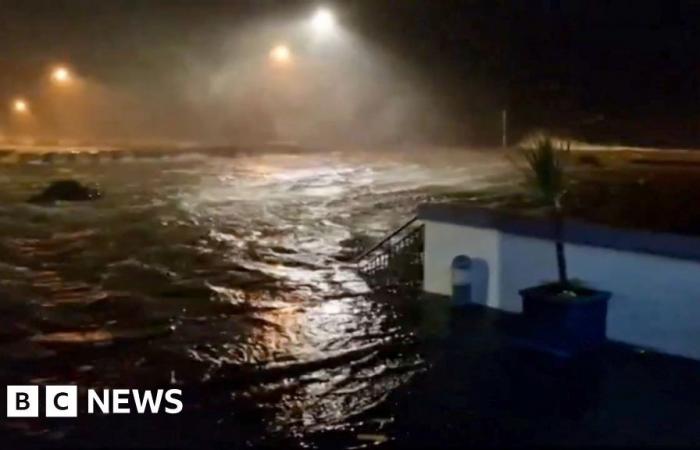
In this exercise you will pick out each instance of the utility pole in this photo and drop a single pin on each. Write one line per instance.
(504, 125)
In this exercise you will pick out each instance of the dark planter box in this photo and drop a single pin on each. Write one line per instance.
(566, 326)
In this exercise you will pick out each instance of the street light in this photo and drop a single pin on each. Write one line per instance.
(61, 75)
(281, 54)
(20, 106)
(323, 20)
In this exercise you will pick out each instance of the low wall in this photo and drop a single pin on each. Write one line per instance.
(654, 277)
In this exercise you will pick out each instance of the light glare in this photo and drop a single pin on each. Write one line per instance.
(61, 75)
(281, 54)
(20, 106)
(323, 20)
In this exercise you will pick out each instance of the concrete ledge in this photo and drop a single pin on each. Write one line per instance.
(575, 231)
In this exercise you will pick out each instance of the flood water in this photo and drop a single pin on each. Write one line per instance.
(227, 277)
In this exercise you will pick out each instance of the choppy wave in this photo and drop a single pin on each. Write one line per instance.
(202, 271)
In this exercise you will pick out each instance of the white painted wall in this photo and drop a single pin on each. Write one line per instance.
(655, 303)
(444, 241)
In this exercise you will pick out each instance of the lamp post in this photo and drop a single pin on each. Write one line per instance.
(504, 128)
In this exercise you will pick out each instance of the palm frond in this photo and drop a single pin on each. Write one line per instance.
(545, 171)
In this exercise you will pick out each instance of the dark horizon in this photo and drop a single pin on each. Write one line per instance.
(609, 72)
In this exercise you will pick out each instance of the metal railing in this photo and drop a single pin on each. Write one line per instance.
(396, 259)
(386, 240)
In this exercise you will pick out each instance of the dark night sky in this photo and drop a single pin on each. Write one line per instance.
(609, 70)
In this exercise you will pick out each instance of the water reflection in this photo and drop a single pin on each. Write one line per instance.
(222, 276)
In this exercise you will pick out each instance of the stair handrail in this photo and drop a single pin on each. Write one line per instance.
(385, 240)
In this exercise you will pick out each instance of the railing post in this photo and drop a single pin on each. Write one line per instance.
(380, 261)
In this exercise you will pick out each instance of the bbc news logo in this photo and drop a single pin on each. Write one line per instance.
(62, 401)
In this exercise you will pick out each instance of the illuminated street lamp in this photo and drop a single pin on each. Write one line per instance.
(20, 106)
(61, 75)
(281, 54)
(323, 21)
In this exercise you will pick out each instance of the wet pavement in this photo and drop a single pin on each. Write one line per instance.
(482, 390)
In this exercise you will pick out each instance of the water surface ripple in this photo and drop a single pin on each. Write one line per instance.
(201, 272)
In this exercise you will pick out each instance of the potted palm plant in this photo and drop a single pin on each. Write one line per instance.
(562, 316)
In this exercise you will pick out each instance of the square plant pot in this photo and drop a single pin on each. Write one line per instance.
(565, 324)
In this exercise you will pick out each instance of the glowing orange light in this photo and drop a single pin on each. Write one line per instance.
(281, 54)
(20, 106)
(61, 75)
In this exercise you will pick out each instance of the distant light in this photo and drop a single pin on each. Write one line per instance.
(323, 20)
(281, 54)
(20, 106)
(61, 75)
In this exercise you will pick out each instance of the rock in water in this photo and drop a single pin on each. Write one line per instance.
(68, 191)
